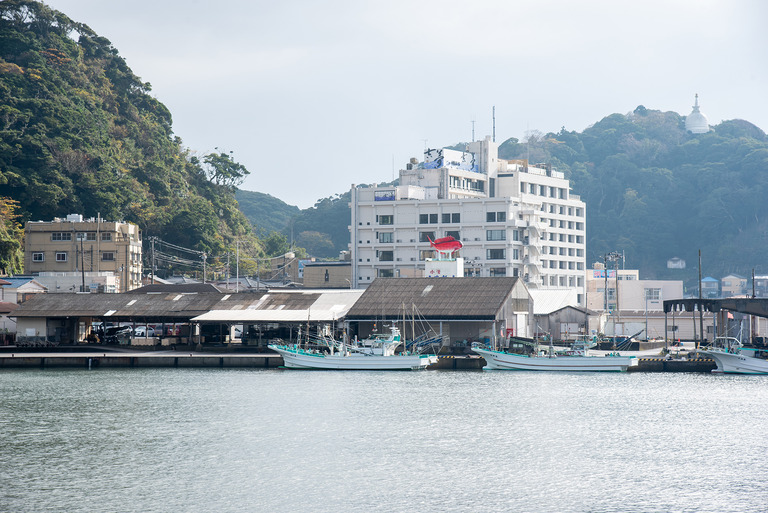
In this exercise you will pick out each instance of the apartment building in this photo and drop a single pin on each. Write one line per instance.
(86, 247)
(513, 218)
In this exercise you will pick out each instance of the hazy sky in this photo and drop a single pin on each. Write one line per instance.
(312, 96)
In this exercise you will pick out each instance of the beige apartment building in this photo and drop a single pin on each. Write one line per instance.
(90, 247)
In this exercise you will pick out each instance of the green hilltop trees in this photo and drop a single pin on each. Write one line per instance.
(82, 134)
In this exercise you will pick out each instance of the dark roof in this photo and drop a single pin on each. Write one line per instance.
(6, 307)
(433, 298)
(173, 305)
(179, 288)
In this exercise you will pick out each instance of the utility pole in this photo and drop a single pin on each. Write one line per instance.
(237, 266)
(152, 270)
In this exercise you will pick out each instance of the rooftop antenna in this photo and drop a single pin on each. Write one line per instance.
(425, 145)
(494, 123)
(393, 167)
(473, 130)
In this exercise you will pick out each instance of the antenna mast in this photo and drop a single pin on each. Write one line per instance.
(494, 123)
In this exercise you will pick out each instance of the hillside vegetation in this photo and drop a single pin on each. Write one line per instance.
(82, 134)
(655, 191)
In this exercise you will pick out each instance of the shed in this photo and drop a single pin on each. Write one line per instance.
(460, 310)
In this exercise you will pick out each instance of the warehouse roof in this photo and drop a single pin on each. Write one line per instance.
(434, 298)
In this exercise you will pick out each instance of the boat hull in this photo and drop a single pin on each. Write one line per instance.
(294, 359)
(499, 360)
(734, 363)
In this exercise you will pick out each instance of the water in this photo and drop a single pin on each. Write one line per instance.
(191, 440)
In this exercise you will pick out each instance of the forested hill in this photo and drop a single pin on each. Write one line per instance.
(655, 191)
(652, 190)
(82, 134)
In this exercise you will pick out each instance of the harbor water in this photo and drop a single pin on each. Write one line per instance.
(242, 440)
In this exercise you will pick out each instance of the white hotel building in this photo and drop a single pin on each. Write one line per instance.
(513, 218)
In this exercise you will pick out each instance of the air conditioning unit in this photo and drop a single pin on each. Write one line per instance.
(477, 258)
(413, 259)
(399, 259)
(399, 240)
(413, 240)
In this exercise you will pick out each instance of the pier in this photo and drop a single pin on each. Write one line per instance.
(198, 359)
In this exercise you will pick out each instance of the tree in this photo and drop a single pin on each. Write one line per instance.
(221, 169)
(11, 236)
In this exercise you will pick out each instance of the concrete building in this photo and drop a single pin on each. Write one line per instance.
(329, 275)
(733, 285)
(513, 218)
(74, 245)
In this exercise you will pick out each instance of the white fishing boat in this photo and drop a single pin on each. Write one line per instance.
(374, 353)
(575, 359)
(732, 357)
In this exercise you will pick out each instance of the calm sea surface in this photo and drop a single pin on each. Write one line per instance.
(190, 440)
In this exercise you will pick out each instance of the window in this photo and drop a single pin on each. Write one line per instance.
(456, 217)
(652, 294)
(386, 256)
(495, 217)
(106, 236)
(515, 254)
(61, 236)
(108, 256)
(38, 257)
(495, 234)
(497, 271)
(87, 236)
(452, 233)
(426, 236)
(495, 254)
(542, 190)
(515, 235)
(432, 218)
(532, 189)
(446, 218)
(386, 237)
(427, 253)
(423, 218)
(61, 256)
(386, 273)
(386, 219)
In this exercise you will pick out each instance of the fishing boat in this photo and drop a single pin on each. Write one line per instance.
(732, 357)
(575, 359)
(374, 353)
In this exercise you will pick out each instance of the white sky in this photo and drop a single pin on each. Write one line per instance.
(312, 96)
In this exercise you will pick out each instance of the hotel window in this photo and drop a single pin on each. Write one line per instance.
(61, 236)
(386, 256)
(456, 217)
(61, 256)
(386, 219)
(495, 254)
(432, 218)
(495, 217)
(427, 253)
(88, 236)
(532, 189)
(522, 187)
(38, 257)
(426, 236)
(453, 233)
(515, 254)
(106, 236)
(495, 234)
(515, 235)
(108, 256)
(446, 218)
(386, 273)
(497, 271)
(386, 237)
